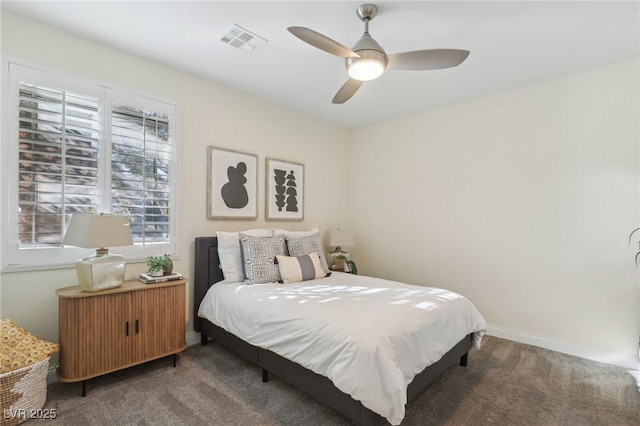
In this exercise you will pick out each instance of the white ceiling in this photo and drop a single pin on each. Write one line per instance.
(512, 44)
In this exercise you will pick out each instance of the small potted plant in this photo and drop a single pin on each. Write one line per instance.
(158, 264)
(168, 268)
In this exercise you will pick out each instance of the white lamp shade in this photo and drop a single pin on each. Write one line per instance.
(102, 270)
(98, 230)
(340, 237)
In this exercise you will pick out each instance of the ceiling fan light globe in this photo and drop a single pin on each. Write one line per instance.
(368, 66)
(366, 69)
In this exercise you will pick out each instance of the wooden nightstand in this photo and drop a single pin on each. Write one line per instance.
(120, 327)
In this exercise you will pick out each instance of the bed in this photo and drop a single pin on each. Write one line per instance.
(208, 273)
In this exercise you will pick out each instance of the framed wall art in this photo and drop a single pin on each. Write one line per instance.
(232, 184)
(284, 190)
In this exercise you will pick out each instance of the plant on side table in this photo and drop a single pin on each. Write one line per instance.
(158, 265)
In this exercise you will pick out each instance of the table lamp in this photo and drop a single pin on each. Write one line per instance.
(339, 237)
(101, 270)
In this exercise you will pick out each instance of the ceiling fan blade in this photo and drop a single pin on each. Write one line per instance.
(322, 42)
(347, 91)
(430, 59)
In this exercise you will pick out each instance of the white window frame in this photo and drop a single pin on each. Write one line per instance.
(15, 259)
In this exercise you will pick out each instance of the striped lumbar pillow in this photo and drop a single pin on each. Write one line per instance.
(302, 268)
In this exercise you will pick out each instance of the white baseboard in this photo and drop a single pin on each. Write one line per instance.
(52, 377)
(624, 361)
(192, 338)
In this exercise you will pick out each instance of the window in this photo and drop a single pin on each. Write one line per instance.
(81, 147)
(141, 172)
(58, 161)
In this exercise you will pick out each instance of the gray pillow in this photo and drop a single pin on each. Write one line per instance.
(258, 258)
(301, 246)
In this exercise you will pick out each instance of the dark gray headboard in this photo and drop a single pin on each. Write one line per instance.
(207, 272)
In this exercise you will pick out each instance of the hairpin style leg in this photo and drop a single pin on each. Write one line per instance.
(84, 388)
(175, 360)
(265, 376)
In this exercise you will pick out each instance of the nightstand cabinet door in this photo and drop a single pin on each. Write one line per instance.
(158, 320)
(93, 335)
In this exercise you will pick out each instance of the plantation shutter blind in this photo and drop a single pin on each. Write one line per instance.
(77, 146)
(140, 171)
(58, 161)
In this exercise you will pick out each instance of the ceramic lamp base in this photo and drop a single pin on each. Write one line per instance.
(100, 271)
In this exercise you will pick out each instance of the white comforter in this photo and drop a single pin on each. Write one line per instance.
(369, 336)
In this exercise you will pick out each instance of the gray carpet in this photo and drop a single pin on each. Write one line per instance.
(505, 383)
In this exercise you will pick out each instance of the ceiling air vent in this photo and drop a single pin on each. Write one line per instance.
(244, 40)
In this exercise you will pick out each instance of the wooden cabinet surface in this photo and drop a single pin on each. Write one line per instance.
(120, 327)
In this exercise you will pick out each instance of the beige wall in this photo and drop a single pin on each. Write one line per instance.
(523, 201)
(210, 114)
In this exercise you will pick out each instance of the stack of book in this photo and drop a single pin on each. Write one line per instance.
(150, 279)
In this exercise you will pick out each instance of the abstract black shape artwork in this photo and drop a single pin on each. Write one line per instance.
(292, 193)
(286, 194)
(279, 179)
(285, 184)
(234, 193)
(232, 186)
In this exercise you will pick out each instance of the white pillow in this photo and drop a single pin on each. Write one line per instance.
(294, 234)
(302, 268)
(229, 252)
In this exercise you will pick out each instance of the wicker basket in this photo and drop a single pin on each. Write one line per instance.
(23, 392)
(24, 364)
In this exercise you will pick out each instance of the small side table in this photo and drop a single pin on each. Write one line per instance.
(118, 328)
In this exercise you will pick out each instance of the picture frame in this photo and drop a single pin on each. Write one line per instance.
(232, 184)
(284, 188)
(338, 259)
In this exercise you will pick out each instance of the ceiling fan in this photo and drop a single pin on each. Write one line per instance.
(367, 60)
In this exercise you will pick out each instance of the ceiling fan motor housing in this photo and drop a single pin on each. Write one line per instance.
(369, 51)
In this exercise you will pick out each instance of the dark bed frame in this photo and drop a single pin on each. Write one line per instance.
(208, 272)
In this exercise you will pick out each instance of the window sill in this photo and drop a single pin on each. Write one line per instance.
(63, 265)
